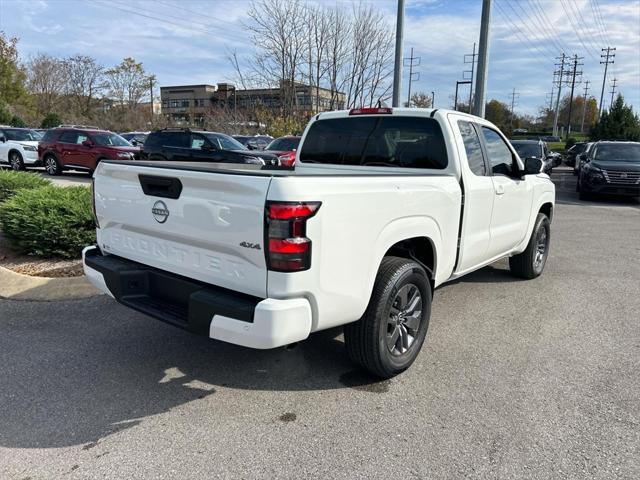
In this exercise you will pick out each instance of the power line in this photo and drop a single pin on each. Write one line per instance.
(575, 29)
(506, 17)
(600, 20)
(544, 23)
(532, 33)
(583, 26)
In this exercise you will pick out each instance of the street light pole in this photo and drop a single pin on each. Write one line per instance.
(483, 58)
(397, 69)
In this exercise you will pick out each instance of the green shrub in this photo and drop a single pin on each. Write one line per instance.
(51, 120)
(11, 182)
(570, 143)
(49, 221)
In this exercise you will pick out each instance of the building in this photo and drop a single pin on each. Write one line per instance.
(190, 103)
(186, 103)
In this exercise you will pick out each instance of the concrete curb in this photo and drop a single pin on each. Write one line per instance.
(16, 286)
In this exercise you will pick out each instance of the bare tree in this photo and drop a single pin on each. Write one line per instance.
(46, 80)
(128, 83)
(85, 82)
(419, 100)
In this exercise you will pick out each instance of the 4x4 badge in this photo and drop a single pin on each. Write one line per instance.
(255, 246)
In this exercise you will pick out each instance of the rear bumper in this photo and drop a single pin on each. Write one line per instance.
(198, 307)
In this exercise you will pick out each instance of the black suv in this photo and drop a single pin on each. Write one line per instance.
(610, 168)
(188, 145)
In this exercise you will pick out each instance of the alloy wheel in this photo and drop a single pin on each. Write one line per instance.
(404, 319)
(541, 248)
(51, 166)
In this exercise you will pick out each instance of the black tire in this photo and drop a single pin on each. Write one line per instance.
(52, 166)
(368, 341)
(529, 264)
(15, 161)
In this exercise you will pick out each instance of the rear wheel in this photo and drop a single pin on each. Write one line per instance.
(530, 263)
(51, 165)
(15, 161)
(388, 337)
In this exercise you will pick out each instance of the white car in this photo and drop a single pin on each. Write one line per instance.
(383, 206)
(19, 147)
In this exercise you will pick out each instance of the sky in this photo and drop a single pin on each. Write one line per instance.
(187, 42)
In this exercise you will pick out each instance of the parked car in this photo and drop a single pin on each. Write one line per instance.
(285, 149)
(186, 145)
(256, 142)
(73, 148)
(135, 138)
(551, 139)
(535, 149)
(19, 147)
(580, 158)
(574, 151)
(360, 234)
(610, 168)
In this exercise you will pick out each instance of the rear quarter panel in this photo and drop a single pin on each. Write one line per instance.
(361, 217)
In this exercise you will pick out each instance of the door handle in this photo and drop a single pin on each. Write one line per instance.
(499, 189)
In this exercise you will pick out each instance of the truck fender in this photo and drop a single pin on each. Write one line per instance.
(403, 229)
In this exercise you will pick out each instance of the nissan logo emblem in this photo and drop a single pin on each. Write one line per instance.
(160, 211)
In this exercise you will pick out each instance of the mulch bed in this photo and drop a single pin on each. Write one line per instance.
(35, 266)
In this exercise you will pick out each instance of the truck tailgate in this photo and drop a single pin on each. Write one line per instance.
(207, 226)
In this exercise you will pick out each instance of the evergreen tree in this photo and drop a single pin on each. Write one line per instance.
(619, 123)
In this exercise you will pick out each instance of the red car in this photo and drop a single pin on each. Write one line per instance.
(285, 149)
(75, 148)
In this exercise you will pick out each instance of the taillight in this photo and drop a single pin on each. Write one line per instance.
(93, 202)
(287, 159)
(288, 248)
(371, 111)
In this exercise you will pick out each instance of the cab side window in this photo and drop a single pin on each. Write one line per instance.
(473, 148)
(500, 157)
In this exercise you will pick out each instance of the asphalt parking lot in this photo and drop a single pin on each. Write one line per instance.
(517, 379)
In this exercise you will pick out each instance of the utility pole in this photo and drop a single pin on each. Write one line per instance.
(513, 96)
(483, 57)
(613, 91)
(397, 68)
(584, 106)
(560, 80)
(573, 74)
(151, 78)
(606, 63)
(411, 73)
(472, 61)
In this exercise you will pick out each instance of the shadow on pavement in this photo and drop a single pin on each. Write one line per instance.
(75, 372)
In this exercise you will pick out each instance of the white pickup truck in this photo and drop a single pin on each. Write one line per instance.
(382, 207)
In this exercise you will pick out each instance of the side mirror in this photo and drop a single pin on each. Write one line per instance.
(582, 157)
(87, 143)
(207, 147)
(532, 166)
(2, 139)
(134, 142)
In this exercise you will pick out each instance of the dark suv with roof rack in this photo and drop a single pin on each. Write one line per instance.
(188, 145)
(76, 147)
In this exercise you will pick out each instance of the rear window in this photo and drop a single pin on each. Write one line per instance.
(408, 142)
(284, 144)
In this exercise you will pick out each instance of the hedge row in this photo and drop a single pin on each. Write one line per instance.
(40, 219)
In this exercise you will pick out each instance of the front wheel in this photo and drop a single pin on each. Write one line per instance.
(15, 161)
(52, 166)
(530, 263)
(388, 337)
